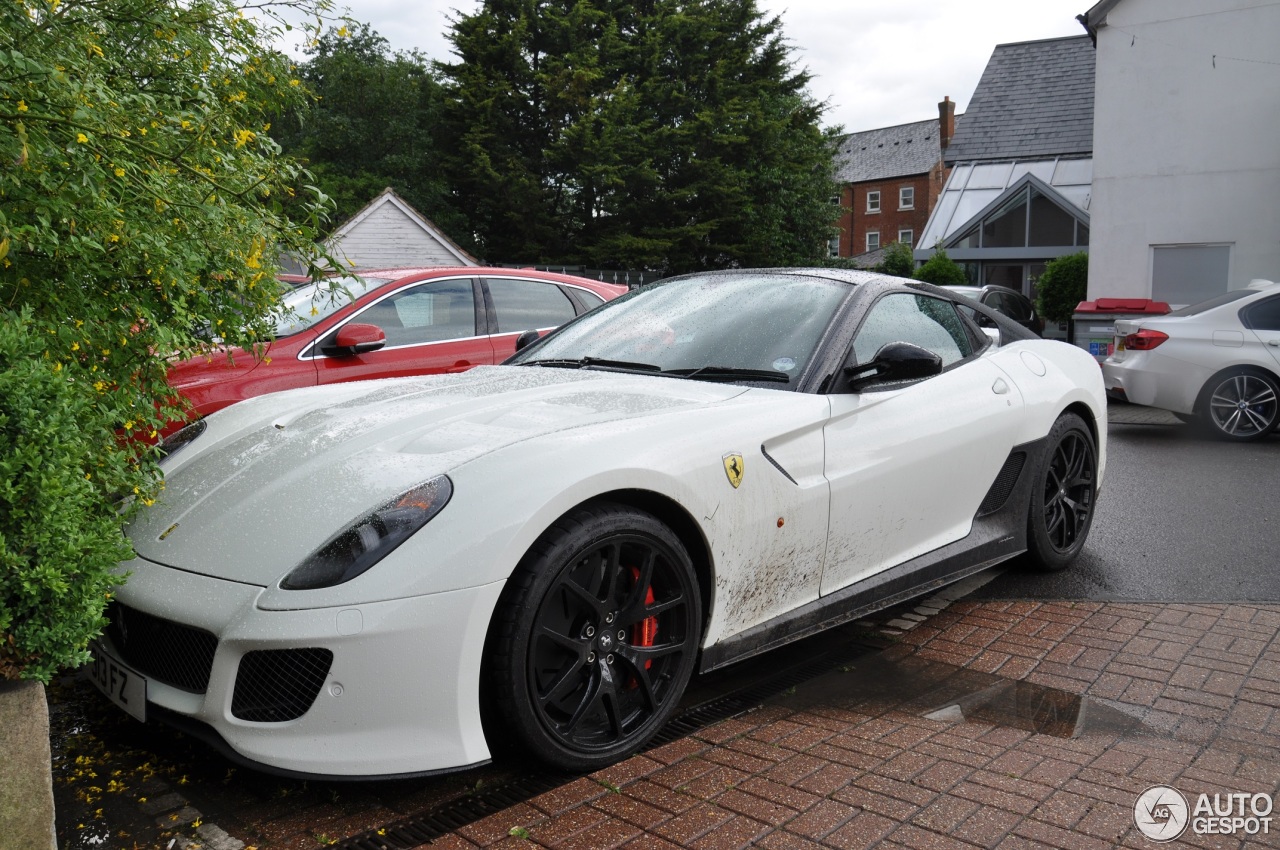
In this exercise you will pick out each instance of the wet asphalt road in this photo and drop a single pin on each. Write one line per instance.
(1181, 518)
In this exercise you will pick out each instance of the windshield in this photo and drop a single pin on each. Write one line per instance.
(312, 302)
(754, 326)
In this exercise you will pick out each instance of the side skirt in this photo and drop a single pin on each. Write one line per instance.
(999, 532)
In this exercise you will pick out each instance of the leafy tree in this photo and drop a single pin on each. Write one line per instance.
(670, 134)
(1063, 285)
(370, 124)
(898, 260)
(140, 201)
(941, 270)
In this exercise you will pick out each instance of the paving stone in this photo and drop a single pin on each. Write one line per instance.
(1201, 682)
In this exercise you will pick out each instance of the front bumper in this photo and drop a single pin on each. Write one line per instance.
(400, 696)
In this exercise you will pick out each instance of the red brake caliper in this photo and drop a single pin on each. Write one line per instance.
(644, 632)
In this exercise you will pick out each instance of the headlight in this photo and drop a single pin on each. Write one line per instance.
(179, 440)
(371, 538)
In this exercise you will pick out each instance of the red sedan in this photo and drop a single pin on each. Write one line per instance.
(401, 322)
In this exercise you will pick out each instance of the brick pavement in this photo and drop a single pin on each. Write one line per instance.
(841, 764)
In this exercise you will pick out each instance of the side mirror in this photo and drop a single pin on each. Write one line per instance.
(895, 361)
(355, 338)
(527, 339)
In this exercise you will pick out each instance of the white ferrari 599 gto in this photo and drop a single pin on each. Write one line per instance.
(375, 578)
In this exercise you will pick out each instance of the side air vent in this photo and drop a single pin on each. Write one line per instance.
(274, 685)
(1004, 484)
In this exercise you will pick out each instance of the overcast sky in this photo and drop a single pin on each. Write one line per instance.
(876, 64)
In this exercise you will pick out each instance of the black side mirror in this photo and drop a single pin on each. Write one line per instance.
(895, 361)
(527, 339)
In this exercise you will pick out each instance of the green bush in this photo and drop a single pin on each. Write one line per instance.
(941, 270)
(1062, 286)
(59, 529)
(898, 260)
(141, 201)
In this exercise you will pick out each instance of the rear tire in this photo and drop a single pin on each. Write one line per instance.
(594, 638)
(1240, 406)
(1063, 493)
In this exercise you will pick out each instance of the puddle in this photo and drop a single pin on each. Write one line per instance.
(876, 684)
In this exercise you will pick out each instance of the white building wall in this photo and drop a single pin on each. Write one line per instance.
(389, 238)
(1186, 139)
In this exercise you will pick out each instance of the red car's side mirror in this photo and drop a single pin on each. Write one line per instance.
(355, 338)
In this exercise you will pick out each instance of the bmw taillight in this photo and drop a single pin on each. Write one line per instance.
(1144, 340)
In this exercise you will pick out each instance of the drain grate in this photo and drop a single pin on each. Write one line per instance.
(418, 829)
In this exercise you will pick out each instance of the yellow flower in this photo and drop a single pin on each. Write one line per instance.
(81, 138)
(75, 346)
(119, 171)
(295, 83)
(243, 137)
(343, 32)
(128, 426)
(22, 106)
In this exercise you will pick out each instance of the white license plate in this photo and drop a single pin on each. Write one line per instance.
(122, 684)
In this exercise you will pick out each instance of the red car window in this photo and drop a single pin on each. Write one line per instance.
(522, 305)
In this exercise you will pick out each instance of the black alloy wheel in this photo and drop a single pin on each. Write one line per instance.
(595, 637)
(1063, 495)
(1242, 406)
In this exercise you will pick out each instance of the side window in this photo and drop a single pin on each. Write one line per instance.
(433, 312)
(1264, 315)
(588, 298)
(918, 319)
(1017, 308)
(522, 305)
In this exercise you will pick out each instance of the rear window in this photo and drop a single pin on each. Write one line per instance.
(1224, 298)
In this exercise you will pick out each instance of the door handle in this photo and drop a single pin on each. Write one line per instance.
(1273, 342)
(1000, 387)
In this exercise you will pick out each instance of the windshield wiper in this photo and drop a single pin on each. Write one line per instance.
(593, 363)
(730, 373)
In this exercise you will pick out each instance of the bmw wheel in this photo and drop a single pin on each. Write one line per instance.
(595, 637)
(1241, 406)
(1062, 495)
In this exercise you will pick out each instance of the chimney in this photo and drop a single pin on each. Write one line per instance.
(946, 122)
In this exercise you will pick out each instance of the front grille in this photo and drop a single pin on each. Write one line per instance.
(274, 685)
(161, 649)
(1004, 484)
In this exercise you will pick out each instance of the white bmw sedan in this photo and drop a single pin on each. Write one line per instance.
(390, 577)
(1217, 362)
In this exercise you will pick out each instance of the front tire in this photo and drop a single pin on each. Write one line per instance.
(1062, 495)
(595, 637)
(1241, 406)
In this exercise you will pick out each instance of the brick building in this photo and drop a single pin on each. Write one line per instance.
(890, 179)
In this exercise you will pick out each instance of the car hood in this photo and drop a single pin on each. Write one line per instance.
(273, 478)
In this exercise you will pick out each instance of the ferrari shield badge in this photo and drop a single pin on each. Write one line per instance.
(733, 468)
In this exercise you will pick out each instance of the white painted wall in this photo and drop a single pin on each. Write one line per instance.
(390, 238)
(1186, 133)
